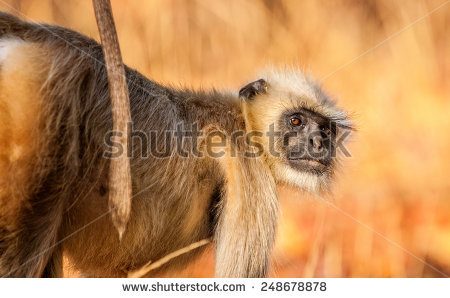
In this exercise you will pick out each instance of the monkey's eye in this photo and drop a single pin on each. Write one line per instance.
(295, 121)
(325, 130)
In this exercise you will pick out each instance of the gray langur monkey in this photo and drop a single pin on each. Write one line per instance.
(55, 120)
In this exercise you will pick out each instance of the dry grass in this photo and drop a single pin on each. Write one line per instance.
(396, 182)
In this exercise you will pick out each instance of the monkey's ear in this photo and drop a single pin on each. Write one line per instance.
(252, 89)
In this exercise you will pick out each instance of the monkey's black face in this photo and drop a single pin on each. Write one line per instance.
(308, 141)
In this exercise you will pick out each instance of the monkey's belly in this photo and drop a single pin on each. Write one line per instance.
(156, 228)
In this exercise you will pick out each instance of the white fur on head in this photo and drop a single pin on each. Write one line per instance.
(290, 89)
(299, 90)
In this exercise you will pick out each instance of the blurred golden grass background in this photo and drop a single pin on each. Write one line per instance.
(396, 183)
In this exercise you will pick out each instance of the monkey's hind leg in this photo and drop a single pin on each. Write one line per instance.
(29, 217)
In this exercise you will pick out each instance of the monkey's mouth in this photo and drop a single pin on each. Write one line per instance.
(311, 165)
(309, 160)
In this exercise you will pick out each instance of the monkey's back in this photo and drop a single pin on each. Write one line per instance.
(54, 116)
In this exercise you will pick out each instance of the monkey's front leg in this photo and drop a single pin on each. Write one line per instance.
(247, 225)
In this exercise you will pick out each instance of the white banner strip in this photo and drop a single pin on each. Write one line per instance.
(233, 287)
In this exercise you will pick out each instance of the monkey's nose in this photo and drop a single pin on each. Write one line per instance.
(316, 143)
